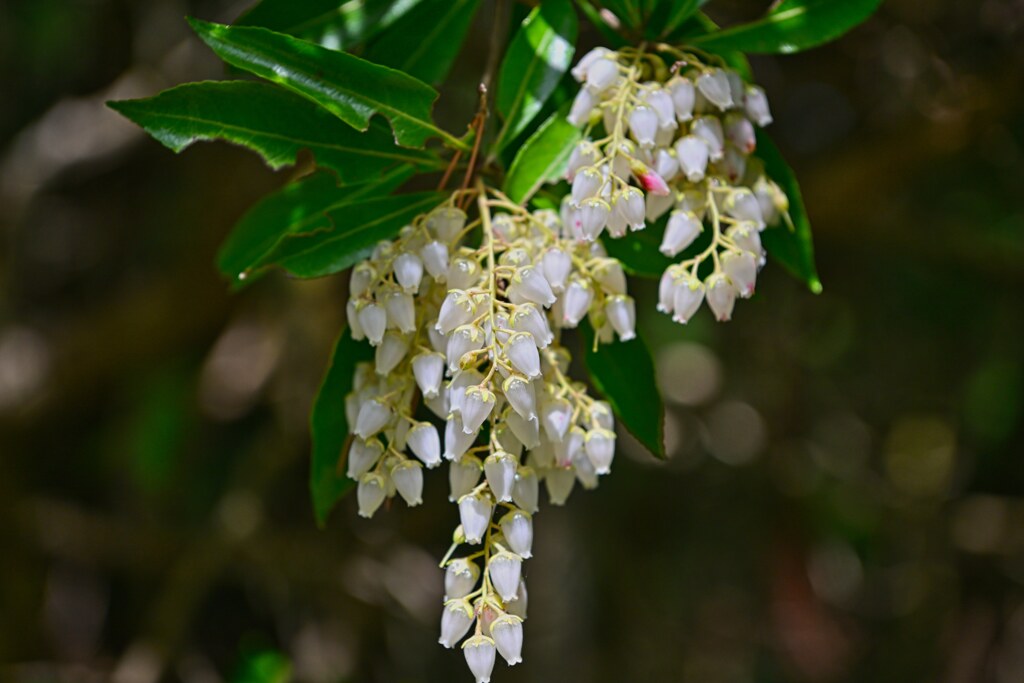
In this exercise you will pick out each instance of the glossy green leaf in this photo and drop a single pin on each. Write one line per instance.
(355, 228)
(271, 121)
(334, 24)
(791, 245)
(638, 251)
(427, 40)
(679, 11)
(542, 158)
(351, 88)
(792, 26)
(301, 207)
(623, 372)
(537, 58)
(329, 428)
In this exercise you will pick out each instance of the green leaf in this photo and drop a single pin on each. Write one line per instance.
(792, 247)
(297, 208)
(609, 33)
(334, 24)
(623, 372)
(427, 40)
(542, 158)
(638, 251)
(355, 228)
(540, 53)
(679, 12)
(270, 121)
(351, 88)
(792, 26)
(329, 428)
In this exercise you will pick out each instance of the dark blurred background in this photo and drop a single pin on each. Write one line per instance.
(845, 496)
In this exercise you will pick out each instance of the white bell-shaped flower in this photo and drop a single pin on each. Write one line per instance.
(434, 255)
(621, 312)
(600, 448)
(736, 87)
(352, 316)
(465, 339)
(709, 129)
(525, 490)
(425, 443)
(528, 284)
(741, 267)
(479, 652)
(401, 311)
(643, 125)
(370, 494)
(559, 483)
(463, 272)
(582, 107)
(408, 478)
(463, 476)
(518, 606)
(610, 275)
(740, 132)
(409, 272)
(456, 440)
(756, 105)
(528, 318)
(456, 309)
(629, 203)
(661, 102)
(579, 72)
(555, 416)
(505, 569)
(507, 632)
(373, 320)
(500, 470)
(602, 74)
(517, 526)
(655, 206)
(576, 302)
(428, 369)
(362, 455)
(556, 265)
(520, 394)
(746, 237)
(373, 416)
(476, 408)
(683, 97)
(460, 578)
(688, 295)
(360, 280)
(456, 618)
(390, 353)
(666, 291)
(682, 229)
(593, 217)
(666, 164)
(692, 153)
(743, 205)
(772, 199)
(566, 449)
(583, 154)
(721, 296)
(475, 515)
(600, 414)
(522, 353)
(714, 85)
(446, 222)
(586, 184)
(525, 429)
(585, 472)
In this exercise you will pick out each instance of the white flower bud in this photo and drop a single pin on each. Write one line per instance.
(390, 352)
(576, 302)
(666, 291)
(579, 72)
(409, 272)
(519, 393)
(709, 129)
(373, 416)
(463, 476)
(556, 265)
(353, 321)
(476, 407)
(585, 472)
(528, 284)
(583, 154)
(373, 320)
(593, 216)
(475, 515)
(609, 274)
(688, 294)
(518, 606)
(746, 237)
(743, 205)
(692, 153)
(740, 132)
(629, 204)
(586, 184)
(600, 448)
(683, 96)
(456, 440)
(425, 443)
(463, 340)
(582, 107)
(456, 309)
(657, 205)
(714, 85)
(360, 280)
(446, 222)
(463, 273)
(370, 494)
(428, 369)
(741, 267)
(456, 619)
(555, 415)
(661, 102)
(460, 578)
(408, 478)
(559, 483)
(500, 470)
(507, 632)
(735, 87)
(682, 229)
(528, 318)
(666, 164)
(721, 296)
(602, 74)
(526, 430)
(400, 311)
(733, 164)
(362, 455)
(435, 259)
(522, 353)
(756, 105)
(479, 652)
(621, 312)
(643, 125)
(505, 569)
(567, 448)
(600, 414)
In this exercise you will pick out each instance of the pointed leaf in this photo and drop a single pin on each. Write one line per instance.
(355, 228)
(270, 121)
(427, 40)
(329, 428)
(351, 88)
(543, 157)
(792, 26)
(335, 24)
(540, 53)
(792, 245)
(623, 372)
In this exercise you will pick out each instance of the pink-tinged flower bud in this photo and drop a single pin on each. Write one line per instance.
(446, 222)
(390, 352)
(476, 408)
(409, 272)
(721, 296)
(743, 205)
(528, 285)
(518, 606)
(362, 455)
(457, 309)
(649, 180)
(374, 320)
(401, 311)
(526, 430)
(373, 416)
(583, 154)
(555, 415)
(525, 489)
(682, 229)
(714, 85)
(463, 273)
(756, 105)
(709, 129)
(352, 316)
(507, 631)
(505, 569)
(408, 478)
(740, 132)
(559, 483)
(601, 75)
(741, 267)
(746, 237)
(456, 619)
(465, 339)
(688, 295)
(609, 274)
(629, 204)
(655, 206)
(435, 259)
(621, 312)
(582, 107)
(600, 448)
(683, 97)
(643, 124)
(579, 72)
(593, 216)
(460, 578)
(479, 652)
(428, 369)
(475, 515)
(733, 164)
(567, 448)
(463, 476)
(528, 318)
(500, 470)
(576, 302)
(370, 494)
(456, 440)
(586, 184)
(692, 154)
(425, 443)
(362, 277)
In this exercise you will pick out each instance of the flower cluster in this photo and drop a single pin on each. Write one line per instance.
(474, 329)
(678, 140)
